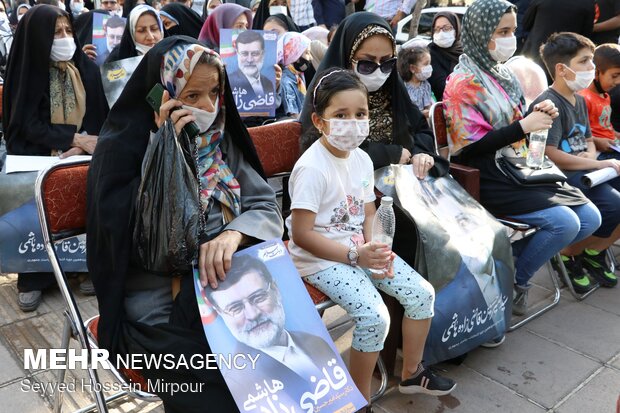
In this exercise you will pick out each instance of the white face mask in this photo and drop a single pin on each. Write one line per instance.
(424, 73)
(61, 5)
(19, 17)
(505, 47)
(63, 49)
(77, 7)
(582, 79)
(347, 134)
(142, 48)
(118, 12)
(277, 10)
(373, 81)
(444, 39)
(204, 119)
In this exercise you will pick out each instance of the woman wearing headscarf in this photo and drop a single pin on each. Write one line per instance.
(484, 112)
(446, 48)
(53, 101)
(179, 19)
(280, 23)
(144, 30)
(399, 133)
(18, 13)
(296, 60)
(268, 8)
(225, 16)
(138, 312)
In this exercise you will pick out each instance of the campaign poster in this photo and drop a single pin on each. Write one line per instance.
(22, 248)
(107, 34)
(250, 56)
(261, 321)
(115, 75)
(464, 253)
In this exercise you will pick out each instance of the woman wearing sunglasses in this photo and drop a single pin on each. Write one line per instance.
(399, 133)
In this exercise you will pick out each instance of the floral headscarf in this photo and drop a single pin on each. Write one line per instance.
(479, 23)
(293, 46)
(216, 179)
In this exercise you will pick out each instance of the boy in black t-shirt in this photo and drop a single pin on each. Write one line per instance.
(570, 145)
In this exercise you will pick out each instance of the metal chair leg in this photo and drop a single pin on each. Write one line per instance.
(569, 284)
(384, 381)
(60, 375)
(612, 260)
(541, 311)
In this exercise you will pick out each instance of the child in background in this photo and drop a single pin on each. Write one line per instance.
(414, 66)
(570, 145)
(598, 102)
(332, 204)
(296, 60)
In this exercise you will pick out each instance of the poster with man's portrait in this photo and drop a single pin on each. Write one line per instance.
(271, 345)
(107, 34)
(250, 56)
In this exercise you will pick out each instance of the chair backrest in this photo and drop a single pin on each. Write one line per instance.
(440, 129)
(277, 145)
(60, 192)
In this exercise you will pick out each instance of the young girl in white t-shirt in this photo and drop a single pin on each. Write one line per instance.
(332, 204)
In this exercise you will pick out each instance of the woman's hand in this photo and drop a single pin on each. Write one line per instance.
(72, 152)
(536, 120)
(547, 106)
(405, 157)
(278, 75)
(422, 163)
(215, 257)
(90, 50)
(180, 117)
(87, 143)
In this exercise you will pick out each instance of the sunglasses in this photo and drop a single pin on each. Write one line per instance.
(367, 67)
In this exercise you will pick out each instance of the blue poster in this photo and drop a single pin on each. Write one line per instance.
(22, 248)
(464, 253)
(262, 313)
(107, 34)
(250, 57)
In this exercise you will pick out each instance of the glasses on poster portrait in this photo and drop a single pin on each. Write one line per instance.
(258, 299)
(254, 53)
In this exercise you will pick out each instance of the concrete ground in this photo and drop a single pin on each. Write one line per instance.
(567, 361)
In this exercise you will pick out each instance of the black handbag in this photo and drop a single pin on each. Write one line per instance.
(521, 174)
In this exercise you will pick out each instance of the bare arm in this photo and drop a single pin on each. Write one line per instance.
(570, 162)
(370, 255)
(607, 25)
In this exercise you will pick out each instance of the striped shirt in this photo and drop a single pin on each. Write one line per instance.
(301, 12)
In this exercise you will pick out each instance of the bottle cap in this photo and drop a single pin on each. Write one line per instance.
(386, 200)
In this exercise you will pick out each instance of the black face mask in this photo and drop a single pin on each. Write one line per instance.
(301, 65)
(173, 31)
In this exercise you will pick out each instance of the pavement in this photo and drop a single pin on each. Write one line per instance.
(566, 361)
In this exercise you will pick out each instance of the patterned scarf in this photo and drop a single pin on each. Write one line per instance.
(67, 95)
(217, 181)
(479, 23)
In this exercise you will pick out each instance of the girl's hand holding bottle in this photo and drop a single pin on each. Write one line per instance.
(377, 256)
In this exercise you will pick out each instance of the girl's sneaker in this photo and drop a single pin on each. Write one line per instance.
(596, 265)
(427, 382)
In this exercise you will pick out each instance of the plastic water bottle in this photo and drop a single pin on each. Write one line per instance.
(536, 149)
(384, 225)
